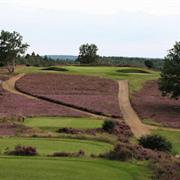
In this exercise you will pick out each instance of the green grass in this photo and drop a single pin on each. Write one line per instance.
(53, 123)
(152, 122)
(47, 146)
(173, 137)
(136, 80)
(132, 70)
(13, 168)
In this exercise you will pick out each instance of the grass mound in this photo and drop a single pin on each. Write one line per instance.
(54, 123)
(133, 70)
(47, 146)
(55, 69)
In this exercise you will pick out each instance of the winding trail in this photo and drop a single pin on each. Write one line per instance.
(9, 85)
(130, 116)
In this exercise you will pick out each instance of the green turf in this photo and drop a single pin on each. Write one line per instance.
(173, 137)
(152, 122)
(13, 168)
(132, 70)
(53, 123)
(136, 80)
(47, 146)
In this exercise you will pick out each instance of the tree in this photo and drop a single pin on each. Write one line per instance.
(155, 142)
(149, 64)
(169, 83)
(11, 47)
(88, 54)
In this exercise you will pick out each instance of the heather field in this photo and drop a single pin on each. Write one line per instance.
(89, 90)
(16, 105)
(58, 124)
(92, 94)
(149, 104)
(136, 76)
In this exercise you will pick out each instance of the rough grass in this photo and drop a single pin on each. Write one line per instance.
(173, 137)
(47, 146)
(136, 80)
(70, 169)
(54, 123)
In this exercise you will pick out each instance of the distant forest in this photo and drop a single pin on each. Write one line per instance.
(52, 60)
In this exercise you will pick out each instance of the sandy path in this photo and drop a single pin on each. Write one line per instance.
(130, 116)
(9, 85)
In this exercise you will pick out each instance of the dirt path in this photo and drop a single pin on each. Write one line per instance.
(130, 116)
(9, 85)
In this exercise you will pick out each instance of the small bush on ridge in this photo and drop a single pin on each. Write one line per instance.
(80, 153)
(155, 142)
(108, 125)
(23, 151)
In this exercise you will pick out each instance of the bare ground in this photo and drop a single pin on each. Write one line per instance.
(129, 115)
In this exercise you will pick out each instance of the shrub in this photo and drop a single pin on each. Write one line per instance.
(80, 153)
(120, 153)
(69, 131)
(23, 151)
(125, 151)
(108, 125)
(155, 142)
(166, 169)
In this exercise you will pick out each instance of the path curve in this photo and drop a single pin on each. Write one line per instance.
(130, 116)
(9, 85)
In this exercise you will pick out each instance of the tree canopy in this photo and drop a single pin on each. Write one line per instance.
(169, 83)
(88, 54)
(11, 46)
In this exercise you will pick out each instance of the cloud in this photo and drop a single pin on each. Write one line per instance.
(104, 7)
(117, 27)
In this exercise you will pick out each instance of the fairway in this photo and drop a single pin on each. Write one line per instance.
(46, 146)
(53, 123)
(173, 137)
(70, 169)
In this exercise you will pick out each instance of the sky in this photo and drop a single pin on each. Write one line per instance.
(138, 28)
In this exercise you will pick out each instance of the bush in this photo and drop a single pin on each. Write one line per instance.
(120, 153)
(80, 153)
(125, 151)
(108, 125)
(69, 131)
(155, 142)
(23, 151)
